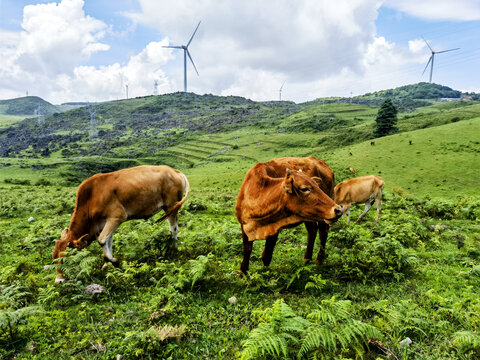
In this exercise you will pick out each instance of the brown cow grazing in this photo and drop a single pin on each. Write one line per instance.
(104, 201)
(284, 193)
(363, 189)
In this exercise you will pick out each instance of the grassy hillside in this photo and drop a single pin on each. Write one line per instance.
(27, 105)
(414, 274)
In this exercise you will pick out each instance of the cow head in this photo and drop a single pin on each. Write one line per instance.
(67, 242)
(306, 200)
(62, 245)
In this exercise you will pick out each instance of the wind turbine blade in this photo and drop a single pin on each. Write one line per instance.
(189, 41)
(188, 53)
(438, 52)
(427, 44)
(173, 47)
(427, 65)
(281, 87)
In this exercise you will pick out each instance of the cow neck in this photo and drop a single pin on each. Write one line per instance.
(77, 227)
(273, 196)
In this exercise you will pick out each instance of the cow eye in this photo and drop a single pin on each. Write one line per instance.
(304, 189)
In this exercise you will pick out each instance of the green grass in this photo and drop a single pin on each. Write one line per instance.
(407, 276)
(442, 161)
(9, 120)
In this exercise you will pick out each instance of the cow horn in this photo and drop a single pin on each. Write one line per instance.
(288, 182)
(79, 240)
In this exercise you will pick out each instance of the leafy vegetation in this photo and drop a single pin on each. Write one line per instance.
(404, 288)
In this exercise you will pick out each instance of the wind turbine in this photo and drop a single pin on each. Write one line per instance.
(280, 91)
(185, 53)
(432, 57)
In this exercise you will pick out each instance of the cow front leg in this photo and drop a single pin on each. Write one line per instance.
(173, 222)
(247, 251)
(368, 206)
(267, 253)
(105, 239)
(323, 228)
(312, 229)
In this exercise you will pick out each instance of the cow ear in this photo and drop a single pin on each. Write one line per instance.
(288, 182)
(64, 234)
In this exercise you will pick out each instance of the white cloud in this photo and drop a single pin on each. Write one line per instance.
(57, 37)
(438, 9)
(46, 58)
(265, 43)
(90, 83)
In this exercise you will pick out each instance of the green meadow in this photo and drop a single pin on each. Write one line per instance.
(405, 288)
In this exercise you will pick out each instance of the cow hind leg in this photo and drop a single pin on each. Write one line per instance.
(378, 204)
(267, 253)
(173, 222)
(368, 205)
(312, 229)
(247, 251)
(323, 228)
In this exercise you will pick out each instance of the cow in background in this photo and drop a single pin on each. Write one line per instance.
(283, 193)
(104, 201)
(363, 189)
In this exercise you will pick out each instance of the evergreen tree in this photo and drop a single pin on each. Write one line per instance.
(386, 119)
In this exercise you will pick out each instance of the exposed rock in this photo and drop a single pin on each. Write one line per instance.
(94, 289)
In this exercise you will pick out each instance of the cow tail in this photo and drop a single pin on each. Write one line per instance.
(179, 203)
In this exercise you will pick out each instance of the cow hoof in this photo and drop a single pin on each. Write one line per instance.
(242, 273)
(115, 262)
(105, 265)
(307, 261)
(266, 262)
(59, 280)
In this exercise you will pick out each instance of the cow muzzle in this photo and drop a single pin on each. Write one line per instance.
(337, 213)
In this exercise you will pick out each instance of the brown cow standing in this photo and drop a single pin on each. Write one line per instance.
(283, 193)
(104, 201)
(363, 189)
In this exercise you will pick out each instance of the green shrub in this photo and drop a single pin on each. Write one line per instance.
(355, 256)
(16, 181)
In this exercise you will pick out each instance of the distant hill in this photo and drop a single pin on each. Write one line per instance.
(422, 90)
(407, 98)
(28, 105)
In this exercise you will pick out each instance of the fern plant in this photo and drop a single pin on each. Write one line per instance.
(274, 337)
(10, 320)
(467, 342)
(80, 265)
(199, 266)
(333, 328)
(14, 295)
(325, 333)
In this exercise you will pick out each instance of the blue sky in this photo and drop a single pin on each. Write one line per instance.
(86, 50)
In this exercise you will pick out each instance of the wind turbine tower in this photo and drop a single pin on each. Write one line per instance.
(185, 54)
(155, 87)
(432, 58)
(280, 92)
